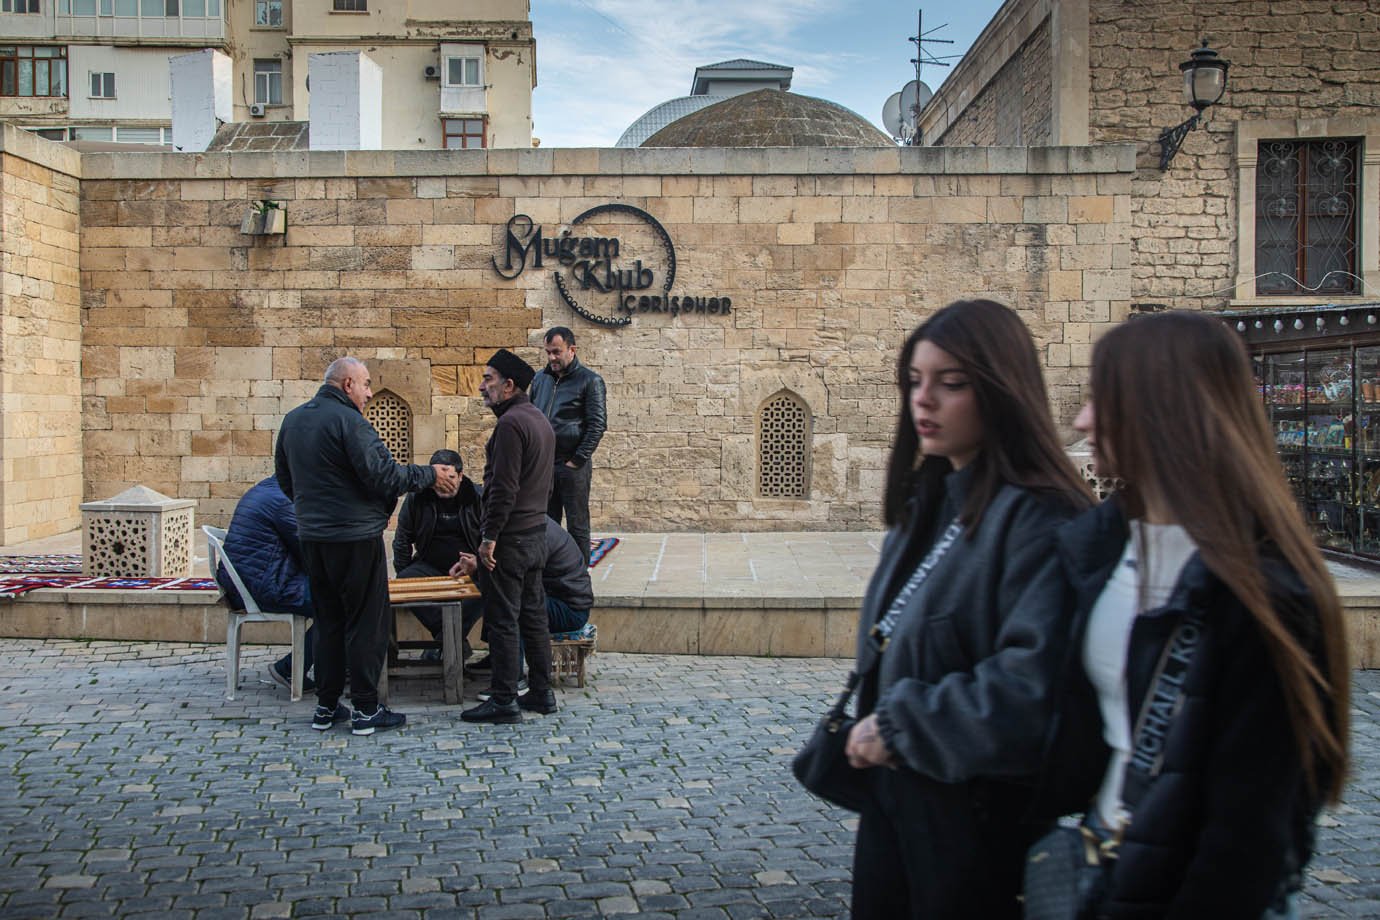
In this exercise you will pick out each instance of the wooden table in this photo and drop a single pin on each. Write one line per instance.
(447, 593)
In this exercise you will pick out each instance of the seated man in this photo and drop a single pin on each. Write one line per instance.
(262, 544)
(565, 579)
(432, 533)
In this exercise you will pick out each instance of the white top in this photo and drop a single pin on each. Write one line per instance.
(1131, 590)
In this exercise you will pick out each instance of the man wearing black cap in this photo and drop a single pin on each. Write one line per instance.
(518, 461)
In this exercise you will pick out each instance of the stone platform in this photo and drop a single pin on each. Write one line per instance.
(767, 594)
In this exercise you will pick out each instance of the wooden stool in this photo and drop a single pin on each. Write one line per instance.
(568, 658)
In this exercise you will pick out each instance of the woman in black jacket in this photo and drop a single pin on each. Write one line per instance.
(958, 648)
(1201, 560)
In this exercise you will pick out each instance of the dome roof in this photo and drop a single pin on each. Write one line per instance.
(771, 118)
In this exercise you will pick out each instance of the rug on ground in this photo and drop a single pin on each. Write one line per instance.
(13, 585)
(598, 549)
(64, 563)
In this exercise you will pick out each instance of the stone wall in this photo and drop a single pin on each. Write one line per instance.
(1014, 108)
(199, 338)
(40, 339)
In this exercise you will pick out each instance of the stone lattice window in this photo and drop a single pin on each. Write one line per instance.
(119, 545)
(392, 419)
(783, 447)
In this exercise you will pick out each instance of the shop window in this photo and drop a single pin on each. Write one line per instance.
(102, 86)
(783, 447)
(33, 70)
(268, 82)
(1306, 216)
(392, 419)
(268, 13)
(463, 133)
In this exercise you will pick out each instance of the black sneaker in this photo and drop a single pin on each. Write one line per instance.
(484, 695)
(542, 701)
(281, 672)
(382, 719)
(324, 718)
(493, 711)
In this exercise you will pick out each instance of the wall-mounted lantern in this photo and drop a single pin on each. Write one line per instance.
(1205, 81)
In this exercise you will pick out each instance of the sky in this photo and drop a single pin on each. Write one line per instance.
(602, 63)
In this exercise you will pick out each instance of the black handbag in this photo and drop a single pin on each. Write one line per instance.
(821, 766)
(1068, 870)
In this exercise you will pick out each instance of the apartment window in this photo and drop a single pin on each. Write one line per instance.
(268, 82)
(462, 71)
(350, 6)
(463, 133)
(52, 134)
(33, 70)
(93, 134)
(102, 86)
(18, 6)
(268, 13)
(1306, 216)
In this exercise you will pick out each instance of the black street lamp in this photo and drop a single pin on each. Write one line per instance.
(1205, 80)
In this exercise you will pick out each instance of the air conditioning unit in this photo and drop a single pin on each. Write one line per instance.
(432, 72)
(258, 110)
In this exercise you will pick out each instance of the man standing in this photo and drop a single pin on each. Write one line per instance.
(512, 548)
(572, 397)
(344, 484)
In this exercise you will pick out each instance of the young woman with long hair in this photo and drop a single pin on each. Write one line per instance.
(1201, 552)
(963, 623)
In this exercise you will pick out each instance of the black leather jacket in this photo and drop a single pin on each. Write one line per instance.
(340, 476)
(417, 523)
(574, 402)
(1227, 826)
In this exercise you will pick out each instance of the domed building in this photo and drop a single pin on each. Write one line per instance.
(770, 118)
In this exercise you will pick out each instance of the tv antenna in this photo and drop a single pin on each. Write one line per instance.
(901, 113)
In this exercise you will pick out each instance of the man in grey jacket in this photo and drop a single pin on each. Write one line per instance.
(344, 485)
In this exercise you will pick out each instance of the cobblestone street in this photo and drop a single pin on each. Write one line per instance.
(661, 789)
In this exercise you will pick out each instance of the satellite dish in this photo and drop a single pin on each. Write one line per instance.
(892, 117)
(914, 97)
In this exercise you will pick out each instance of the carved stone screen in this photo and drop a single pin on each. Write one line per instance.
(392, 419)
(139, 533)
(783, 448)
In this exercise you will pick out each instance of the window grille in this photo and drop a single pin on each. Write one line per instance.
(392, 419)
(1306, 217)
(783, 447)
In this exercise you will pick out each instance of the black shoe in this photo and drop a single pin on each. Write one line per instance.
(382, 719)
(493, 711)
(281, 672)
(324, 718)
(542, 701)
(488, 694)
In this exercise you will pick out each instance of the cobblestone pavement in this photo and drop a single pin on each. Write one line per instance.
(661, 789)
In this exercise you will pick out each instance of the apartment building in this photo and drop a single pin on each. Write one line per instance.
(97, 70)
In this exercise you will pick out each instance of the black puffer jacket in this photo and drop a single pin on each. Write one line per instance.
(565, 576)
(339, 474)
(1226, 827)
(574, 402)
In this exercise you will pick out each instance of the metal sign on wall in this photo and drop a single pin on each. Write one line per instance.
(611, 262)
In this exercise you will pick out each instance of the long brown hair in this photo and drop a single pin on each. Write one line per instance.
(1181, 424)
(1019, 442)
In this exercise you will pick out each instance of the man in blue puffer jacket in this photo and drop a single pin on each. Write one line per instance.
(262, 544)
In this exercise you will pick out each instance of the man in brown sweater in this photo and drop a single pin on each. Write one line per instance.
(518, 460)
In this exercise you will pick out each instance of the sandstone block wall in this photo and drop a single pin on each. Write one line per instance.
(1014, 108)
(198, 339)
(40, 339)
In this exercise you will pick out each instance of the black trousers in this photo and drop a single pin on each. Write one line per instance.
(932, 851)
(515, 603)
(570, 494)
(349, 586)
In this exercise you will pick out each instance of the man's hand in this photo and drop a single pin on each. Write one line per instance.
(467, 565)
(865, 748)
(571, 464)
(447, 480)
(486, 554)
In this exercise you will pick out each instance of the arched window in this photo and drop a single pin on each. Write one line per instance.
(783, 447)
(392, 419)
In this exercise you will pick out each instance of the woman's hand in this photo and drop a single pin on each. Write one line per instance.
(865, 748)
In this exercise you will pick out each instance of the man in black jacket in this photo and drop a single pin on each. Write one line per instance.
(572, 397)
(344, 485)
(512, 546)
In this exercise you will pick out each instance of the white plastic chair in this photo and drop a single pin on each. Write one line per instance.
(215, 544)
